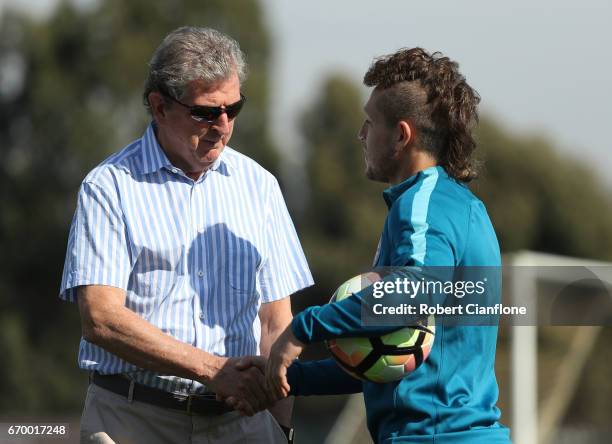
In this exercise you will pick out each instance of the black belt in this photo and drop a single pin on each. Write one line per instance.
(201, 404)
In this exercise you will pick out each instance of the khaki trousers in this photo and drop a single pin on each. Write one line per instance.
(109, 418)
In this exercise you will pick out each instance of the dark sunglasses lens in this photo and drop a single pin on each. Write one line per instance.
(233, 109)
(212, 113)
(209, 113)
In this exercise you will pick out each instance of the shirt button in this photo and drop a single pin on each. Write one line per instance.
(201, 315)
(174, 170)
(201, 273)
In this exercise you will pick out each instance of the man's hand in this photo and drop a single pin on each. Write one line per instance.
(240, 385)
(243, 364)
(283, 352)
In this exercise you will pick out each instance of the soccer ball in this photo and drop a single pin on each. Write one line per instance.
(384, 358)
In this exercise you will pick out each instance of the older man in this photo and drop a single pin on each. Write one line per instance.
(181, 257)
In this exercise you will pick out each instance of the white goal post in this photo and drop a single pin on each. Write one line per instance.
(530, 424)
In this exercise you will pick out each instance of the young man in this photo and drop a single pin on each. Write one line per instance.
(182, 256)
(417, 137)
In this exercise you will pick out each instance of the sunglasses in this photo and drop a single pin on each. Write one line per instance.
(209, 114)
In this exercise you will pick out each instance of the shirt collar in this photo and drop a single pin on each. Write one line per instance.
(223, 164)
(391, 194)
(153, 157)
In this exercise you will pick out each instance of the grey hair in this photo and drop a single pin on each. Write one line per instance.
(192, 53)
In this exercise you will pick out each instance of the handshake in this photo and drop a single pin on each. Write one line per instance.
(250, 384)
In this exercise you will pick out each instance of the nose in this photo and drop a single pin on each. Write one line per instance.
(222, 123)
(361, 135)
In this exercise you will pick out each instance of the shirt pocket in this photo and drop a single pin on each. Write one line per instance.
(242, 267)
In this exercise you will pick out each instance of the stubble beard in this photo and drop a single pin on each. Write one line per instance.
(382, 176)
(381, 173)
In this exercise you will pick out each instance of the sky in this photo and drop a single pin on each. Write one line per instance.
(540, 66)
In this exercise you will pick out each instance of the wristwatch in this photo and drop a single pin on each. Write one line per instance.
(289, 433)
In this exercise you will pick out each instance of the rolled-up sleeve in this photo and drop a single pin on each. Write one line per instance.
(285, 270)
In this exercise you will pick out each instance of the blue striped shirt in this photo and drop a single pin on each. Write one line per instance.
(196, 258)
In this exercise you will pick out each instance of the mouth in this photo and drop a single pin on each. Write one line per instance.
(211, 143)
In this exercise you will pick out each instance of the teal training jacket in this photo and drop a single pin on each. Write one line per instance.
(433, 220)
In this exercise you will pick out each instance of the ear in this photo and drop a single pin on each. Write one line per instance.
(157, 104)
(405, 134)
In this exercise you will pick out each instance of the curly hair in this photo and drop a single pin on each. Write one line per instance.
(429, 90)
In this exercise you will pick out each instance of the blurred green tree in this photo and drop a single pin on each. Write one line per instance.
(345, 212)
(540, 199)
(70, 94)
